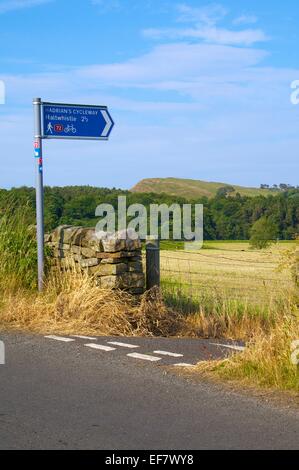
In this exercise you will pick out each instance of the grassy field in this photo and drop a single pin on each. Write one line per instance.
(227, 289)
(190, 188)
(228, 267)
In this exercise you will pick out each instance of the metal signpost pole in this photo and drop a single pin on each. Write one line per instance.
(39, 191)
(62, 121)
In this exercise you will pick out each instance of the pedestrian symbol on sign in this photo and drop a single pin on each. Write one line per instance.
(50, 128)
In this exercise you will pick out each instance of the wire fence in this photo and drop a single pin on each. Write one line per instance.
(243, 274)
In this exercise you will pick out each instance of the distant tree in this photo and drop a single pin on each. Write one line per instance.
(225, 190)
(263, 233)
(80, 207)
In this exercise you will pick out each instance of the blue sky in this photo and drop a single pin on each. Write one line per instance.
(196, 89)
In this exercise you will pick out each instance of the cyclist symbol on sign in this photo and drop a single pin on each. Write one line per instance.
(70, 129)
(50, 128)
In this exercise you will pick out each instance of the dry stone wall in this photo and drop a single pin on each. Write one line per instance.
(113, 259)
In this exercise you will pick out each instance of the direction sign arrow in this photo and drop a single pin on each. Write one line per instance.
(75, 121)
(109, 123)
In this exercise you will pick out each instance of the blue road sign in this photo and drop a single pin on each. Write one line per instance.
(75, 121)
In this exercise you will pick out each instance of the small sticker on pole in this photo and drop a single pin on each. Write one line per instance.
(36, 149)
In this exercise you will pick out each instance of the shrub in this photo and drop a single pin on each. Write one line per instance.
(263, 232)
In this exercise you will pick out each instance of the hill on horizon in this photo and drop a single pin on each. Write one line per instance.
(190, 188)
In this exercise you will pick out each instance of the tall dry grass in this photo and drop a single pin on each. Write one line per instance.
(266, 361)
(72, 303)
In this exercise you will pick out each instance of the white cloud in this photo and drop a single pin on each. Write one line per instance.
(10, 5)
(179, 67)
(208, 15)
(197, 75)
(214, 35)
(205, 27)
(106, 5)
(245, 19)
(176, 63)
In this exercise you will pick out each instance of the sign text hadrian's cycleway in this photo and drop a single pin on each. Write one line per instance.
(67, 121)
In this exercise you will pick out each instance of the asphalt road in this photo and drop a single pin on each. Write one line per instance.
(66, 395)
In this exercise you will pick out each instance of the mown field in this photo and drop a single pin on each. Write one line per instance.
(229, 268)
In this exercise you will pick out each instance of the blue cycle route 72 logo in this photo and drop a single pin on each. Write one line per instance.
(67, 121)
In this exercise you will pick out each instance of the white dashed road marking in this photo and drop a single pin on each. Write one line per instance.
(237, 348)
(99, 346)
(59, 338)
(124, 345)
(85, 337)
(167, 353)
(183, 364)
(145, 357)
